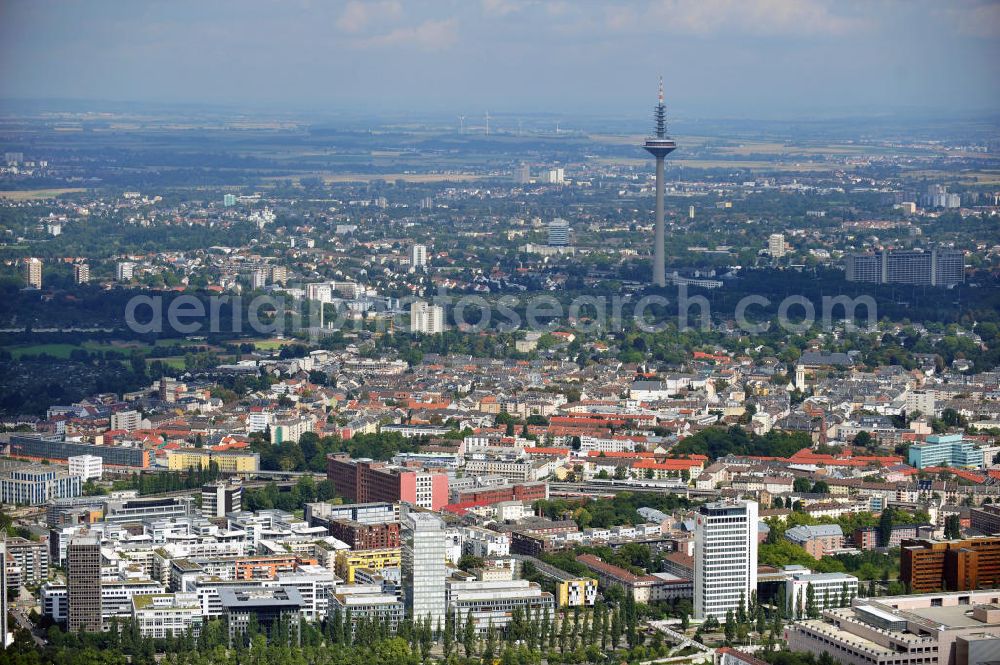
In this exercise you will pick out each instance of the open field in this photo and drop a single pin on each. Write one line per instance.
(985, 177)
(775, 148)
(54, 350)
(758, 165)
(752, 165)
(38, 194)
(63, 351)
(271, 344)
(368, 177)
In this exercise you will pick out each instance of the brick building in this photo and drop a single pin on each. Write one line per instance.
(486, 496)
(367, 481)
(950, 565)
(365, 536)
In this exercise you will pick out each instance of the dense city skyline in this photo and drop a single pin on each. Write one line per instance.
(396, 333)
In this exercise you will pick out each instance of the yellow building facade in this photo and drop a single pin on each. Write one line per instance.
(350, 560)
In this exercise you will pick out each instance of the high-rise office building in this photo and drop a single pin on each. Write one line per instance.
(229, 200)
(278, 274)
(426, 318)
(937, 196)
(948, 267)
(83, 580)
(124, 271)
(3, 594)
(423, 569)
(725, 557)
(776, 245)
(418, 256)
(558, 232)
(33, 273)
(523, 174)
(863, 268)
(938, 267)
(81, 273)
(258, 278)
(220, 498)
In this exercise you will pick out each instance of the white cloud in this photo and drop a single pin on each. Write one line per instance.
(977, 19)
(501, 7)
(757, 17)
(429, 35)
(358, 15)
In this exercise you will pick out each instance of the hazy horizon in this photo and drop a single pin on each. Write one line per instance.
(719, 58)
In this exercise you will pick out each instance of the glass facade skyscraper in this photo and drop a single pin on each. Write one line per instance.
(423, 569)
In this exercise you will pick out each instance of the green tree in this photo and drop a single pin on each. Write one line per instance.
(952, 527)
(469, 636)
(885, 527)
(812, 611)
(863, 440)
(491, 643)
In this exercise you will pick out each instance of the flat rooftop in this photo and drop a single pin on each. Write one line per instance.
(260, 597)
(953, 616)
(844, 636)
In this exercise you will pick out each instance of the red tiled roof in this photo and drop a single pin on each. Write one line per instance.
(667, 464)
(961, 473)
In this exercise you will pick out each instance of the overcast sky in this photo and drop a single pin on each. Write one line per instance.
(728, 58)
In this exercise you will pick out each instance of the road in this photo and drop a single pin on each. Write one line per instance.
(22, 620)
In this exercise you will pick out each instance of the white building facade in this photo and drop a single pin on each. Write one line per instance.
(725, 557)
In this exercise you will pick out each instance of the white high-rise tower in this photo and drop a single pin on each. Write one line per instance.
(725, 557)
(418, 256)
(423, 566)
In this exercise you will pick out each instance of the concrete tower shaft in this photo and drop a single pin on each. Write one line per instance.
(659, 146)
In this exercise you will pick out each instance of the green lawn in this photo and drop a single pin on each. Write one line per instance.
(271, 344)
(62, 350)
(54, 350)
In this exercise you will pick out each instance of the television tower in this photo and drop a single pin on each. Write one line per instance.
(659, 146)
